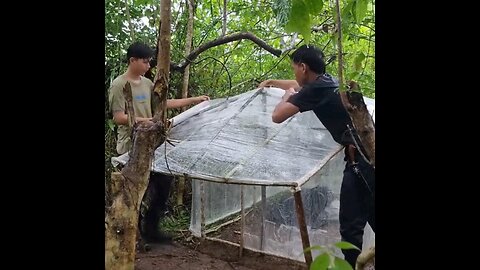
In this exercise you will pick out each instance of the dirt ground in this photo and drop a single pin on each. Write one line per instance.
(177, 256)
(208, 255)
(187, 252)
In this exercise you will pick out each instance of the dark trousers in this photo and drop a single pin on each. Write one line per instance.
(357, 205)
(154, 203)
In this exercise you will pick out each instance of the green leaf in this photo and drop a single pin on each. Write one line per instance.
(299, 20)
(354, 75)
(346, 12)
(361, 10)
(314, 6)
(345, 245)
(321, 262)
(111, 125)
(341, 264)
(334, 39)
(358, 61)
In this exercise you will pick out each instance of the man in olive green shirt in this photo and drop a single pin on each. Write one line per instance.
(156, 195)
(138, 64)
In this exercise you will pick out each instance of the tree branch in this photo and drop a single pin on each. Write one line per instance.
(223, 40)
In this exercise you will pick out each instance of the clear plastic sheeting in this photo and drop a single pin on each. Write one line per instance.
(280, 234)
(222, 202)
(234, 140)
(230, 145)
(321, 204)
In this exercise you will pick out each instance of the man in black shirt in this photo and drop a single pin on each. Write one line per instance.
(314, 89)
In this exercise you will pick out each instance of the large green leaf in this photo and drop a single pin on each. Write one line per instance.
(345, 245)
(341, 264)
(314, 6)
(299, 20)
(321, 262)
(361, 10)
(357, 63)
(354, 76)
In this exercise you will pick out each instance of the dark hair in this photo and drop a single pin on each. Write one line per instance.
(139, 50)
(311, 56)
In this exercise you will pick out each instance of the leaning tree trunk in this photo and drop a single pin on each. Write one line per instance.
(129, 186)
(353, 101)
(186, 77)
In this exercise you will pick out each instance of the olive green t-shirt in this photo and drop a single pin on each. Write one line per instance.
(141, 94)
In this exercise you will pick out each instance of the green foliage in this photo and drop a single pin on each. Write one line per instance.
(245, 62)
(314, 6)
(358, 32)
(299, 20)
(179, 219)
(301, 14)
(327, 259)
(281, 9)
(360, 10)
(321, 262)
(345, 245)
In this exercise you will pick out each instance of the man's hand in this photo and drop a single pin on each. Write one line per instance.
(265, 83)
(288, 93)
(283, 84)
(200, 99)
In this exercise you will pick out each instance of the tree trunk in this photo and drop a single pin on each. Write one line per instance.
(362, 120)
(129, 19)
(188, 49)
(353, 101)
(129, 186)
(163, 67)
(186, 77)
(224, 25)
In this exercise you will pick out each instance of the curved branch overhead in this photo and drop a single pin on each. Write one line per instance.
(219, 41)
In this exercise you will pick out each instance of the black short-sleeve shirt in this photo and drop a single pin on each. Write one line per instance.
(323, 98)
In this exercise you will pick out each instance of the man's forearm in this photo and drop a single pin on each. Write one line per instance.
(178, 103)
(122, 119)
(283, 84)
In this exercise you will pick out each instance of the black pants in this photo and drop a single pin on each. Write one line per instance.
(154, 203)
(357, 205)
